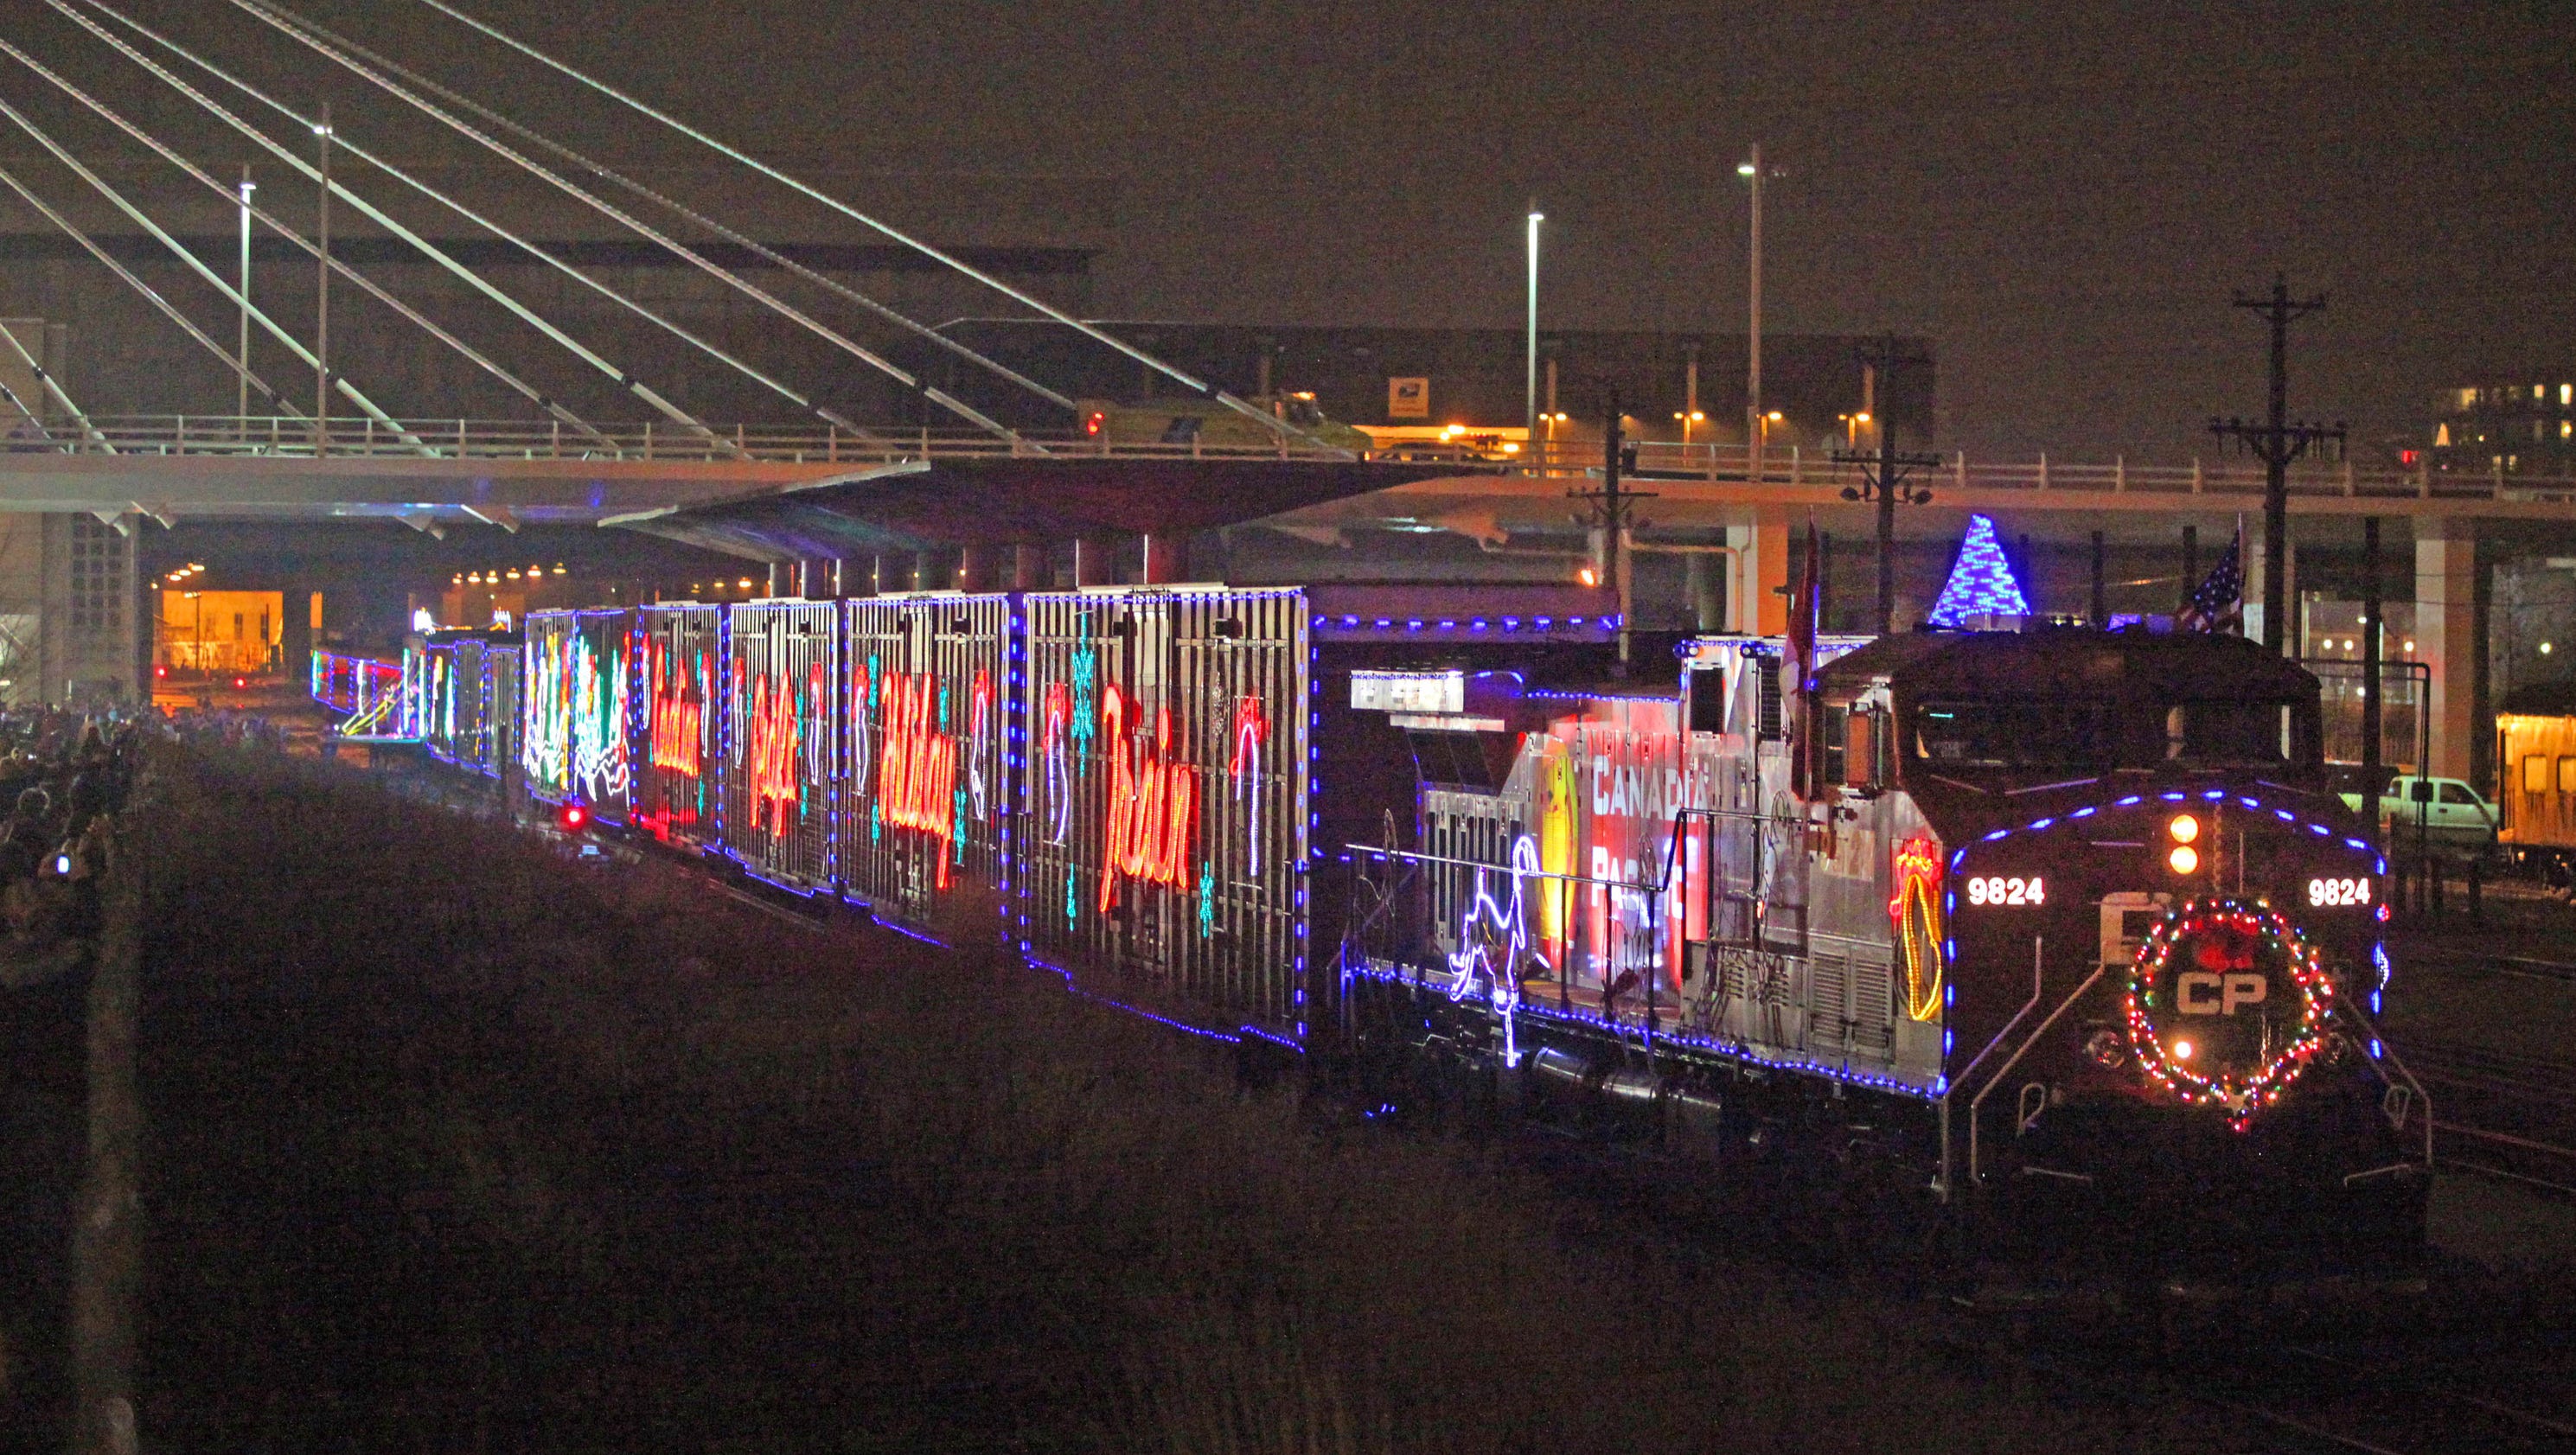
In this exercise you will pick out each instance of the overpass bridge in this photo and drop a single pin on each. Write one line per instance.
(82, 493)
(980, 504)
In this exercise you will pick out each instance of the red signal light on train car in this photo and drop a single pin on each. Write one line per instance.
(160, 669)
(240, 683)
(571, 817)
(1094, 422)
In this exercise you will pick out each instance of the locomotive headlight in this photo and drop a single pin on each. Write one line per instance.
(2185, 859)
(2185, 830)
(2182, 1050)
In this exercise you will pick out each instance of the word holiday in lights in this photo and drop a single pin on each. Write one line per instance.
(679, 736)
(774, 751)
(917, 776)
(1152, 802)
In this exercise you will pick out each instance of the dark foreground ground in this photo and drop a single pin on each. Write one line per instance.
(454, 1144)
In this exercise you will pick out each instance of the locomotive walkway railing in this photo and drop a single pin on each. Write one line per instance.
(226, 436)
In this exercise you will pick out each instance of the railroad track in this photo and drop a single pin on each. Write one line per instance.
(2525, 966)
(2320, 1399)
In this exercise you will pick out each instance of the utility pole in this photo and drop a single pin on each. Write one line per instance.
(2370, 659)
(1883, 473)
(1614, 505)
(322, 296)
(2276, 443)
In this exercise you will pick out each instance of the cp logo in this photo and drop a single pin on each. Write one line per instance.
(2199, 992)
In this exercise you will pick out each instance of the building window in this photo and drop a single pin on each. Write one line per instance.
(100, 568)
(2468, 399)
(2567, 393)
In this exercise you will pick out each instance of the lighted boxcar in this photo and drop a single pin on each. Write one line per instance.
(1164, 824)
(682, 721)
(927, 792)
(461, 689)
(576, 693)
(781, 747)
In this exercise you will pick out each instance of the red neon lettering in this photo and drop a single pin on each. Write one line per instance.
(917, 778)
(679, 714)
(773, 753)
(1153, 801)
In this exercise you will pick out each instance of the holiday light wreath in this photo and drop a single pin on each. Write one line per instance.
(2195, 923)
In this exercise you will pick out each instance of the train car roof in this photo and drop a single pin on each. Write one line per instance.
(2541, 699)
(2069, 660)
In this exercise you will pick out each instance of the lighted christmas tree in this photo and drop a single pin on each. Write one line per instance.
(1981, 583)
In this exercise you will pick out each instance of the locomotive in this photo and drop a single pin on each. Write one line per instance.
(2035, 933)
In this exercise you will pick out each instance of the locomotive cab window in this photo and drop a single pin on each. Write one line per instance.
(1860, 768)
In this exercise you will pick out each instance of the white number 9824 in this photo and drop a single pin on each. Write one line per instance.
(2329, 893)
(2000, 889)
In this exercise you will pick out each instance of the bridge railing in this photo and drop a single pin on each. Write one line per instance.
(653, 440)
(218, 436)
(1796, 466)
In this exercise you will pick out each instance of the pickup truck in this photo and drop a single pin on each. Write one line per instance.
(2455, 819)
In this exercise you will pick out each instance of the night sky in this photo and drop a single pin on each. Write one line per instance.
(2062, 196)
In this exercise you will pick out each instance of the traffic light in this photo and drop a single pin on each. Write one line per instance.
(572, 817)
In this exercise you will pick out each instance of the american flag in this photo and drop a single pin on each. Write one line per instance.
(2219, 603)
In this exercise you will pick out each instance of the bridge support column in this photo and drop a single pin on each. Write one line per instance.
(1029, 568)
(929, 571)
(1755, 599)
(1167, 558)
(2447, 632)
(975, 569)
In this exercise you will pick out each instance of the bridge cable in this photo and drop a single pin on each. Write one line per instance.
(150, 294)
(289, 25)
(521, 311)
(343, 269)
(742, 240)
(626, 381)
(230, 293)
(1277, 425)
(54, 387)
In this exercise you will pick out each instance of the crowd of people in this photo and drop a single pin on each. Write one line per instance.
(64, 776)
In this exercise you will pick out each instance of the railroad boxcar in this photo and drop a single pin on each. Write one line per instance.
(2536, 771)
(461, 695)
(930, 722)
(682, 721)
(781, 746)
(576, 699)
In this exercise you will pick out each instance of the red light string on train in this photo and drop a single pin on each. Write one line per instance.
(1915, 916)
(679, 730)
(773, 753)
(917, 778)
(1153, 800)
(1251, 730)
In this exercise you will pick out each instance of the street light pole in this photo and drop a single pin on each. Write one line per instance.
(1529, 412)
(241, 410)
(322, 297)
(1753, 432)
